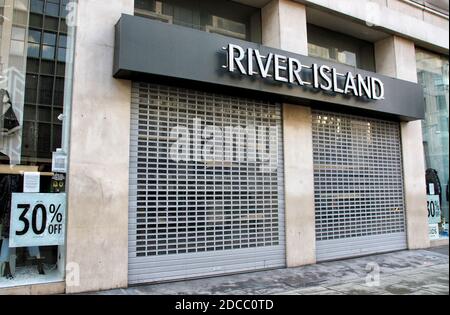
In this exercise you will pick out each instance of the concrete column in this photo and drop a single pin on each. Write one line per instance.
(299, 186)
(97, 224)
(395, 57)
(284, 26)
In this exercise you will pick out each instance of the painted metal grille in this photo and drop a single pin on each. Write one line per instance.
(357, 177)
(190, 190)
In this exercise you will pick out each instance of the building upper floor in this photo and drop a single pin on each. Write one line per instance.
(425, 22)
(343, 31)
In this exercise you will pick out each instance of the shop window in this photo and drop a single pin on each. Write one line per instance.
(30, 134)
(221, 17)
(432, 72)
(341, 48)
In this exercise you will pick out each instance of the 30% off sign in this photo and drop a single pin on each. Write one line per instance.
(37, 219)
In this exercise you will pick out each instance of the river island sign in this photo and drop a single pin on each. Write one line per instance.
(151, 51)
(290, 70)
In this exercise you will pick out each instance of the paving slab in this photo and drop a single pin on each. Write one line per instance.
(403, 272)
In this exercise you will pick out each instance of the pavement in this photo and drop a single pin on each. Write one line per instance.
(418, 272)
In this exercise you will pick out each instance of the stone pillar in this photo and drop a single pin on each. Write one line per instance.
(284, 26)
(97, 223)
(299, 186)
(395, 57)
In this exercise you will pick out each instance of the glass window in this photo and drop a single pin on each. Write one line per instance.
(219, 16)
(36, 20)
(48, 52)
(337, 47)
(432, 71)
(34, 36)
(49, 39)
(51, 23)
(59, 91)
(47, 67)
(62, 41)
(52, 9)
(33, 50)
(45, 90)
(32, 65)
(30, 133)
(31, 88)
(62, 54)
(44, 114)
(37, 6)
(64, 8)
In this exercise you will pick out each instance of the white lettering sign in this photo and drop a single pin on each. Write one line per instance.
(290, 70)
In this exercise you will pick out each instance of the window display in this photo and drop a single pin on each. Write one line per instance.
(35, 60)
(433, 75)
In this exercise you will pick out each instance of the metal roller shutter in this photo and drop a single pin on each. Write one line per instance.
(358, 179)
(197, 212)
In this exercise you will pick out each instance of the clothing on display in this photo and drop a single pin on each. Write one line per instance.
(9, 124)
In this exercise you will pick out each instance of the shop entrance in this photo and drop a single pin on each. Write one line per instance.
(358, 179)
(206, 185)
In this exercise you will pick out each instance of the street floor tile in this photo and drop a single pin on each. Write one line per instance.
(418, 272)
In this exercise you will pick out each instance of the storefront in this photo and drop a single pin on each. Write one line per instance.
(432, 71)
(204, 199)
(206, 152)
(35, 71)
(189, 140)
